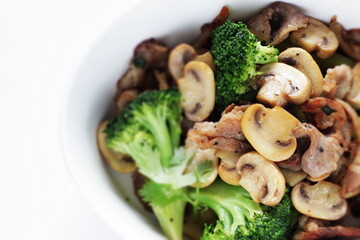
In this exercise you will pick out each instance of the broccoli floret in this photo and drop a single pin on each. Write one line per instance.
(239, 217)
(149, 131)
(236, 53)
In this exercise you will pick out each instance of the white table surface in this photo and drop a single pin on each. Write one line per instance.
(41, 43)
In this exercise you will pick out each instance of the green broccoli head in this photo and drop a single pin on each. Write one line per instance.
(149, 131)
(236, 53)
(239, 217)
(149, 128)
(278, 222)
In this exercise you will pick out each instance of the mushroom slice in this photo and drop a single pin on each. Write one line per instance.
(227, 168)
(124, 98)
(293, 177)
(316, 36)
(119, 162)
(322, 200)
(201, 155)
(178, 58)
(261, 178)
(353, 96)
(281, 83)
(206, 58)
(197, 88)
(303, 61)
(275, 22)
(323, 153)
(269, 131)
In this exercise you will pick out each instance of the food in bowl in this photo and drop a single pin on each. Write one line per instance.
(234, 139)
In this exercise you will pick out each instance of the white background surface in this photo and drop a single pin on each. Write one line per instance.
(41, 43)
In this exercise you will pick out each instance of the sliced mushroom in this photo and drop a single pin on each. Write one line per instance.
(149, 54)
(206, 58)
(293, 177)
(124, 98)
(317, 179)
(275, 22)
(201, 155)
(349, 40)
(316, 36)
(303, 61)
(321, 158)
(197, 88)
(353, 96)
(161, 79)
(227, 168)
(178, 58)
(261, 178)
(337, 81)
(119, 162)
(281, 83)
(269, 131)
(322, 200)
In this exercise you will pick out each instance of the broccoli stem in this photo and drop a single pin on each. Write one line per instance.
(160, 132)
(171, 217)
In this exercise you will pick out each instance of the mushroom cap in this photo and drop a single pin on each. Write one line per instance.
(117, 161)
(197, 88)
(281, 83)
(322, 200)
(124, 98)
(303, 61)
(227, 167)
(179, 57)
(293, 177)
(275, 22)
(269, 131)
(316, 36)
(261, 178)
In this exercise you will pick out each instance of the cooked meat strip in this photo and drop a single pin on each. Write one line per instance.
(338, 81)
(349, 40)
(323, 153)
(312, 229)
(329, 116)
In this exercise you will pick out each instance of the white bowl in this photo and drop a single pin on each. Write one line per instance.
(93, 87)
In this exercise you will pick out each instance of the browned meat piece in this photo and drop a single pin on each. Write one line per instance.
(352, 118)
(321, 157)
(293, 163)
(149, 54)
(226, 134)
(338, 81)
(349, 40)
(275, 22)
(312, 229)
(350, 184)
(329, 115)
(203, 42)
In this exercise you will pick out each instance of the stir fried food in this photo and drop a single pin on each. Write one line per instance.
(251, 132)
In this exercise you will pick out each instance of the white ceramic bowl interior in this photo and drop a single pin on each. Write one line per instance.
(89, 99)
